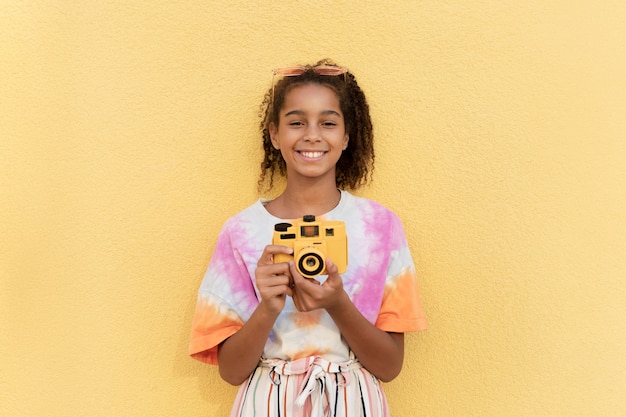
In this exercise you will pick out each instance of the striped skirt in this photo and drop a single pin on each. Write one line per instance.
(310, 387)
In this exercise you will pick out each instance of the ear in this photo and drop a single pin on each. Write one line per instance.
(273, 132)
(346, 139)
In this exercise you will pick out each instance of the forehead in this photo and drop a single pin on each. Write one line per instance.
(311, 95)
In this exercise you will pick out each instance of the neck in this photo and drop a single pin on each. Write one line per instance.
(300, 199)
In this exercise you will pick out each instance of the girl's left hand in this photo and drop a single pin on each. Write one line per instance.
(308, 294)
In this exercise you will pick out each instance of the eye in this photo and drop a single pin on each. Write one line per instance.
(329, 124)
(296, 123)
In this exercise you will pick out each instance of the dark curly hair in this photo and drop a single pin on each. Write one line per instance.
(356, 164)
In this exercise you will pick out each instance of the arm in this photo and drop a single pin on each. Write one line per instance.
(239, 355)
(380, 352)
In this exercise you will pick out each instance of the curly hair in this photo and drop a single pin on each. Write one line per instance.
(356, 164)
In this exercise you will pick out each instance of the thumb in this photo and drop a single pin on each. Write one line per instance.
(331, 268)
(295, 274)
(334, 279)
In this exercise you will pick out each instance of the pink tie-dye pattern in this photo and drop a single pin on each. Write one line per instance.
(375, 222)
(231, 264)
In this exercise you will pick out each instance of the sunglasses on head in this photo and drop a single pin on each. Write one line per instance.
(299, 70)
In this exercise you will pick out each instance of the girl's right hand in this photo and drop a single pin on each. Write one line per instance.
(273, 281)
(239, 354)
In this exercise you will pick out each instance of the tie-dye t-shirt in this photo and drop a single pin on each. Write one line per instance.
(380, 280)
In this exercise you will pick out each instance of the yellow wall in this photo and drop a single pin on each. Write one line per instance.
(128, 135)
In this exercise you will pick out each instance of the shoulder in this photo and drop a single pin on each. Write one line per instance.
(252, 213)
(370, 219)
(250, 227)
(244, 219)
(368, 208)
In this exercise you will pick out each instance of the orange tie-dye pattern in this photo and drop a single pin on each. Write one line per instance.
(307, 352)
(210, 326)
(399, 306)
(306, 320)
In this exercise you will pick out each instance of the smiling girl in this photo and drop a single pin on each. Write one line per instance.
(298, 346)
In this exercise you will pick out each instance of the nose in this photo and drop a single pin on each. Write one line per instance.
(312, 133)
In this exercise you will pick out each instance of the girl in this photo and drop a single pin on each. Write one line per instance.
(298, 346)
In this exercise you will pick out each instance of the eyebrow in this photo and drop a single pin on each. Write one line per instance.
(323, 113)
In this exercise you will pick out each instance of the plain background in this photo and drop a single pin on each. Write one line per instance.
(128, 134)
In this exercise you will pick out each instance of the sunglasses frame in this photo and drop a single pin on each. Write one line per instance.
(318, 69)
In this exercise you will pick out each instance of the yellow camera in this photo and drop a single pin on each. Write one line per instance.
(313, 242)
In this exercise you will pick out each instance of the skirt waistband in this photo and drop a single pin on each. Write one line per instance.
(315, 370)
(304, 365)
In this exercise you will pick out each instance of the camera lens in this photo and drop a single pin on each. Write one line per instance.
(310, 264)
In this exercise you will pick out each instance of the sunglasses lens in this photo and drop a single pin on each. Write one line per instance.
(328, 70)
(290, 71)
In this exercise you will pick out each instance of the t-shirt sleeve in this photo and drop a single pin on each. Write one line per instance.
(401, 309)
(225, 295)
(212, 323)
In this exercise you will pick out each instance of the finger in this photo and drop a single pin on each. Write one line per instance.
(274, 286)
(290, 291)
(331, 268)
(268, 255)
(271, 280)
(299, 280)
(275, 249)
(334, 279)
(266, 258)
(271, 292)
(275, 280)
(297, 276)
(272, 269)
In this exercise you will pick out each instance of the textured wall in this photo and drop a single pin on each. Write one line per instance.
(128, 135)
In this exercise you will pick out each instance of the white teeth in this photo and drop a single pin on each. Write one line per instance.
(312, 154)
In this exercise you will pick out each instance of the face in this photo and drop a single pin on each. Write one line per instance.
(311, 133)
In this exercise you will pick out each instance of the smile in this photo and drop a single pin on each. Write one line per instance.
(312, 155)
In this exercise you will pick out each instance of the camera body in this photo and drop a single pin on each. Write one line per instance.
(312, 242)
